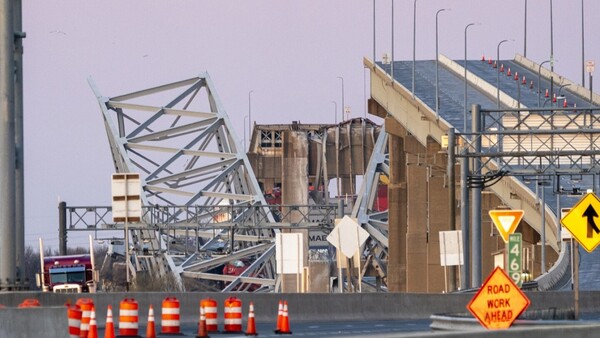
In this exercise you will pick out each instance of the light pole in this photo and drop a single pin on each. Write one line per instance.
(582, 48)
(525, 33)
(374, 32)
(249, 113)
(414, 45)
(539, 84)
(465, 65)
(335, 110)
(551, 40)
(437, 60)
(392, 65)
(561, 87)
(498, 73)
(343, 106)
(245, 117)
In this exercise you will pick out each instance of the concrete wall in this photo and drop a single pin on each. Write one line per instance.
(302, 307)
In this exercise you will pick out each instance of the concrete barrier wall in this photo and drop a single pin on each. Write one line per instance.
(33, 322)
(302, 307)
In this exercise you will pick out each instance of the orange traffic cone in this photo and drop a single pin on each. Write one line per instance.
(285, 324)
(251, 328)
(490, 61)
(202, 329)
(279, 317)
(482, 57)
(531, 84)
(150, 328)
(109, 331)
(524, 82)
(508, 73)
(495, 65)
(554, 98)
(502, 68)
(565, 103)
(516, 76)
(93, 332)
(546, 95)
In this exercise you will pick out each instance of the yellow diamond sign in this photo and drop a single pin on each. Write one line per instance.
(583, 221)
(498, 302)
(506, 221)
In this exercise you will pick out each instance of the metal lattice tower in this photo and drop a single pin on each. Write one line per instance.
(180, 139)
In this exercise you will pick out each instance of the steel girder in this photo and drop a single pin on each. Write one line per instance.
(188, 154)
(374, 222)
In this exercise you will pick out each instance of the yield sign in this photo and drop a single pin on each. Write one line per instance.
(498, 302)
(506, 221)
(583, 223)
(347, 236)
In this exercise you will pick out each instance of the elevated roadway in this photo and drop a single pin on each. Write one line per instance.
(419, 117)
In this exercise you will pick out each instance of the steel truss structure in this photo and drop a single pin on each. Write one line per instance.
(374, 222)
(532, 142)
(194, 168)
(204, 208)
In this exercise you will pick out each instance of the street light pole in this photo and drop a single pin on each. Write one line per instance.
(525, 33)
(582, 48)
(374, 32)
(335, 110)
(498, 73)
(551, 40)
(539, 79)
(343, 106)
(414, 45)
(465, 66)
(437, 60)
(245, 117)
(392, 65)
(249, 113)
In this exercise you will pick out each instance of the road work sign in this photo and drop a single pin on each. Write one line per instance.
(583, 221)
(498, 302)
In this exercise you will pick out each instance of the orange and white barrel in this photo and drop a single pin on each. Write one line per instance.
(74, 318)
(86, 305)
(210, 313)
(233, 315)
(169, 320)
(128, 317)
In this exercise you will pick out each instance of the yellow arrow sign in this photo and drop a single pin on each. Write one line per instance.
(583, 221)
(506, 221)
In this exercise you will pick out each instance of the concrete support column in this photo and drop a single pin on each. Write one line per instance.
(397, 201)
(417, 277)
(437, 200)
(7, 147)
(348, 187)
(294, 189)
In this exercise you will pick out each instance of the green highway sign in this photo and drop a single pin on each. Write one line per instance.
(515, 258)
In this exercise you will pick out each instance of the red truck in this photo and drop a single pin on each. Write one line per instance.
(67, 274)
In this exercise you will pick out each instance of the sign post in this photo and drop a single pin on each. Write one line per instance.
(582, 221)
(515, 258)
(126, 193)
(347, 237)
(498, 302)
(450, 252)
(506, 221)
